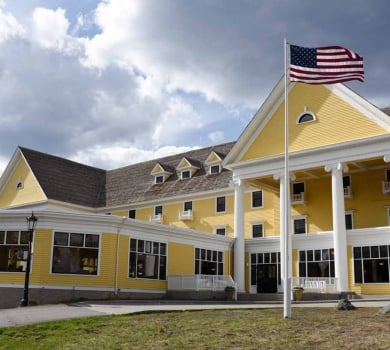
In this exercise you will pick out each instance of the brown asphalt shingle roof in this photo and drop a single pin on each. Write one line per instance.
(67, 181)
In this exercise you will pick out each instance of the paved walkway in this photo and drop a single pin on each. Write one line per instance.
(46, 313)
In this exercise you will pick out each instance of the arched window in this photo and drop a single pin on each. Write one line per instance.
(305, 118)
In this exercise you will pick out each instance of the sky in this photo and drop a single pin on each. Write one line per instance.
(114, 82)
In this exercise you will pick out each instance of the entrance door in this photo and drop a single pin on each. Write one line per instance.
(267, 281)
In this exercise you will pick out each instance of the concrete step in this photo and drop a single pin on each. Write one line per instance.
(270, 297)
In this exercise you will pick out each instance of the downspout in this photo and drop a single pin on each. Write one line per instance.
(117, 254)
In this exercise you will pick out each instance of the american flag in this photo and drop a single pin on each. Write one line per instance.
(325, 65)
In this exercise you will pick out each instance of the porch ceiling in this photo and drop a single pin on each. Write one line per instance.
(318, 172)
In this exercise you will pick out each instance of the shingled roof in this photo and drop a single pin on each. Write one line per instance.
(66, 181)
(133, 184)
(71, 182)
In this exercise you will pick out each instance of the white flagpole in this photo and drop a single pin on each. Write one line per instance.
(285, 252)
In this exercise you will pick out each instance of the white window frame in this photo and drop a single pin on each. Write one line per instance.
(186, 171)
(262, 199)
(299, 217)
(213, 166)
(220, 227)
(156, 182)
(258, 223)
(349, 212)
(216, 205)
(308, 121)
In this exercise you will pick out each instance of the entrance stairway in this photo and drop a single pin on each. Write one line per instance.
(261, 297)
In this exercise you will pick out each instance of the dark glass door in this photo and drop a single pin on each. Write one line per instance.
(267, 281)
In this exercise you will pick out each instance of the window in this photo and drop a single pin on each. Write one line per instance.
(257, 230)
(387, 174)
(13, 250)
(186, 174)
(305, 117)
(347, 186)
(147, 259)
(299, 225)
(221, 204)
(19, 185)
(316, 263)
(208, 262)
(298, 192)
(257, 199)
(158, 210)
(221, 231)
(132, 213)
(187, 205)
(159, 179)
(371, 264)
(215, 169)
(75, 253)
(349, 220)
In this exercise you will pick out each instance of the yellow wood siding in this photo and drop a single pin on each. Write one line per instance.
(30, 193)
(181, 259)
(336, 121)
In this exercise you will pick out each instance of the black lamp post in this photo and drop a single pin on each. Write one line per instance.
(31, 222)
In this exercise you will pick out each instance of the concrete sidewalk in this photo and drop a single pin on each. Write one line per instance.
(46, 313)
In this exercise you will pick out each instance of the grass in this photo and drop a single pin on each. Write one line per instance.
(309, 328)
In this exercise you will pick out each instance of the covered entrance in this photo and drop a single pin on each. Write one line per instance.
(267, 278)
(265, 272)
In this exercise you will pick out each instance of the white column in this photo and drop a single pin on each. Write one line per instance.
(339, 231)
(239, 242)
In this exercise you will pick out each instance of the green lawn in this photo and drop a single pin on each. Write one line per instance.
(309, 328)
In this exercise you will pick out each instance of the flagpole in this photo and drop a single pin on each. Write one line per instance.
(286, 209)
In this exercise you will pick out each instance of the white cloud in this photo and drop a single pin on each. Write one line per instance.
(50, 27)
(178, 118)
(118, 155)
(217, 136)
(9, 26)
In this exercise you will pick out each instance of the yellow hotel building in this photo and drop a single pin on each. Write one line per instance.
(191, 224)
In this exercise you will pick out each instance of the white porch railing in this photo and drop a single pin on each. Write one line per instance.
(185, 215)
(298, 198)
(201, 282)
(315, 284)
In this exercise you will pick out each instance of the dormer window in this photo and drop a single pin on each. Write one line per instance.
(187, 168)
(161, 173)
(213, 163)
(186, 174)
(215, 169)
(159, 179)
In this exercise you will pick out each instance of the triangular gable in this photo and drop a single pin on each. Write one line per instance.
(213, 158)
(160, 169)
(341, 116)
(186, 164)
(18, 185)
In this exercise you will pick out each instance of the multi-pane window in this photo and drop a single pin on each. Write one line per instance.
(13, 250)
(75, 253)
(298, 188)
(257, 199)
(299, 225)
(316, 263)
(371, 264)
(215, 169)
(186, 174)
(159, 179)
(221, 204)
(147, 259)
(208, 262)
(132, 213)
(257, 230)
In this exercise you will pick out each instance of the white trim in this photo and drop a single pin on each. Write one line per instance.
(216, 205)
(262, 199)
(299, 217)
(257, 223)
(304, 113)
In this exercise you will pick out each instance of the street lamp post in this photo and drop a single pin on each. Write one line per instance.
(31, 222)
